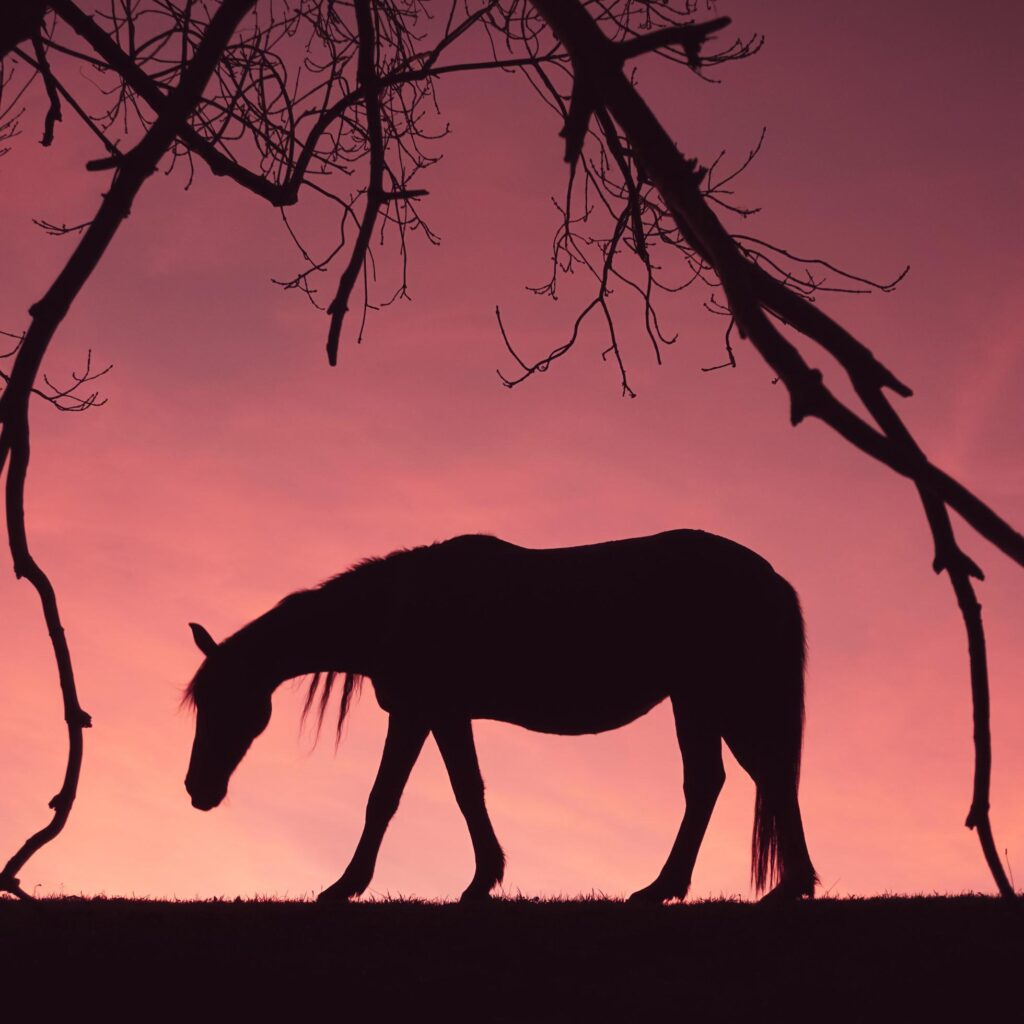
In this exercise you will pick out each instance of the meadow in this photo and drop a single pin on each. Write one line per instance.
(891, 958)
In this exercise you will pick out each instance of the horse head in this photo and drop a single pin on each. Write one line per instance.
(232, 709)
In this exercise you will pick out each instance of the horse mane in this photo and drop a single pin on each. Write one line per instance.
(350, 688)
(323, 682)
(379, 565)
(365, 567)
(353, 680)
(188, 695)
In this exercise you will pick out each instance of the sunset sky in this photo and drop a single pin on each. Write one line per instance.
(232, 466)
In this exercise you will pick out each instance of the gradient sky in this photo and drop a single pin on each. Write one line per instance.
(232, 466)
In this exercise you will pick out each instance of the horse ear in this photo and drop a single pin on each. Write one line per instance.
(203, 640)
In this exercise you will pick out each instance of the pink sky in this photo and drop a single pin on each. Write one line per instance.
(232, 466)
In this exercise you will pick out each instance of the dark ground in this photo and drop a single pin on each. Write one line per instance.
(906, 959)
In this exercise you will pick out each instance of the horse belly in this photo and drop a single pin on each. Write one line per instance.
(568, 703)
(570, 721)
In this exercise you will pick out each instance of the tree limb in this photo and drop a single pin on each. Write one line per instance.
(47, 315)
(375, 198)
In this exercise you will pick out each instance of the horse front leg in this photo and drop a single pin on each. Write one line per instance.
(402, 747)
(700, 743)
(455, 741)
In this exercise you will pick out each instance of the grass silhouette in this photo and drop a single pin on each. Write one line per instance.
(522, 959)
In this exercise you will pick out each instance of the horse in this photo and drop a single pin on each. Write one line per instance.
(566, 641)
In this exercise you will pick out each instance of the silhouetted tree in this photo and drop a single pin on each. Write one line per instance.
(295, 100)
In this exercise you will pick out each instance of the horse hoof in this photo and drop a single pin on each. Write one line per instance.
(785, 895)
(472, 895)
(652, 895)
(332, 899)
(336, 896)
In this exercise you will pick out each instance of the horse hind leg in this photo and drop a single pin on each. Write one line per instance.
(779, 848)
(700, 744)
(455, 741)
(797, 876)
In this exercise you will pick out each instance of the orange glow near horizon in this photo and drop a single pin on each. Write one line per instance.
(231, 466)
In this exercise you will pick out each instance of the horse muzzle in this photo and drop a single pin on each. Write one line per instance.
(204, 799)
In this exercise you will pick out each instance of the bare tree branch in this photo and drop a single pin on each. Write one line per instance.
(375, 198)
(47, 315)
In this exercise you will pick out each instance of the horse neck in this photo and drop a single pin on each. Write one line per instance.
(307, 632)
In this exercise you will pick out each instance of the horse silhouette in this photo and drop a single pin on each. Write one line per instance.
(562, 640)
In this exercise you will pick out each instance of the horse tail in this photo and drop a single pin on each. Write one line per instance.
(783, 725)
